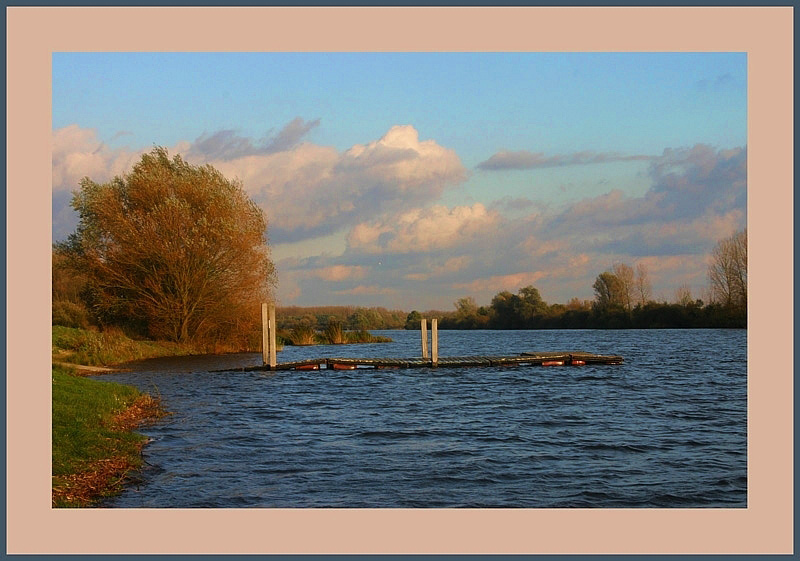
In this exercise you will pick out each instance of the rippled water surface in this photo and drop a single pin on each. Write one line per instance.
(668, 428)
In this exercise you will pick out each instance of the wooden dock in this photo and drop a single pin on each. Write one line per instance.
(432, 360)
(565, 358)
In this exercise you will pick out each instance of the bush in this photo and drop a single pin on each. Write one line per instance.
(303, 336)
(102, 348)
(70, 314)
(334, 333)
(364, 336)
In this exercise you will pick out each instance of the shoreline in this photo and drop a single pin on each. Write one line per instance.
(86, 370)
(110, 474)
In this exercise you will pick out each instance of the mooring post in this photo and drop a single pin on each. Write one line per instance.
(268, 347)
(434, 342)
(264, 333)
(423, 327)
(273, 328)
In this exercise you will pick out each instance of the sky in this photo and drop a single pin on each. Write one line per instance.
(410, 180)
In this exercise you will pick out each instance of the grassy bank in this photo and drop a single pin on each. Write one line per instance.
(105, 348)
(95, 450)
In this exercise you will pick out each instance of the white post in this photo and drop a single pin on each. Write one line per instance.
(434, 342)
(264, 333)
(268, 337)
(273, 328)
(423, 326)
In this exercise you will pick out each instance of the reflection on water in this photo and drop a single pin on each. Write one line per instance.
(665, 429)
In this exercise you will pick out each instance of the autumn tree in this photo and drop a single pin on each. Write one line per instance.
(727, 272)
(642, 286)
(67, 286)
(174, 248)
(517, 311)
(608, 291)
(466, 307)
(413, 320)
(683, 295)
(530, 303)
(625, 278)
(466, 312)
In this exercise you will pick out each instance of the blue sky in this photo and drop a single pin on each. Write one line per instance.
(410, 180)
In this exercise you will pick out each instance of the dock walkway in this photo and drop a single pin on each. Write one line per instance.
(432, 360)
(562, 358)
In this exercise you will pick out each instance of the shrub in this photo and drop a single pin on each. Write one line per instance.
(96, 348)
(334, 333)
(303, 336)
(364, 336)
(70, 314)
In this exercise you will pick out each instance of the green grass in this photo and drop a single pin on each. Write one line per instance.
(82, 413)
(86, 438)
(103, 348)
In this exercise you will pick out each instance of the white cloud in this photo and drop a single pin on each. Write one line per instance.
(78, 153)
(338, 273)
(366, 290)
(309, 190)
(436, 269)
(511, 282)
(306, 190)
(401, 157)
(422, 229)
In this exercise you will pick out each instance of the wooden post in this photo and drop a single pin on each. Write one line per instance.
(268, 337)
(273, 328)
(434, 342)
(423, 326)
(264, 333)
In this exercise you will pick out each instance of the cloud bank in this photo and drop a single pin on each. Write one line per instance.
(404, 248)
(523, 159)
(227, 145)
(307, 190)
(697, 196)
(310, 190)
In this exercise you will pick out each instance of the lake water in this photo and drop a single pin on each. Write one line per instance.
(668, 428)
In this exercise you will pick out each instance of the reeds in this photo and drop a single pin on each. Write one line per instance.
(334, 334)
(302, 336)
(364, 336)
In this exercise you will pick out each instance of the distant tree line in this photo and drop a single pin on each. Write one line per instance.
(622, 301)
(351, 318)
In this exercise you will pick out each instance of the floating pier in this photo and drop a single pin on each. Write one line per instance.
(533, 358)
(572, 358)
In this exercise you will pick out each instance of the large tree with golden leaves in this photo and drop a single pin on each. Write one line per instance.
(175, 248)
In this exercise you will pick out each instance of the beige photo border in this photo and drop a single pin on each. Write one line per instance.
(765, 526)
